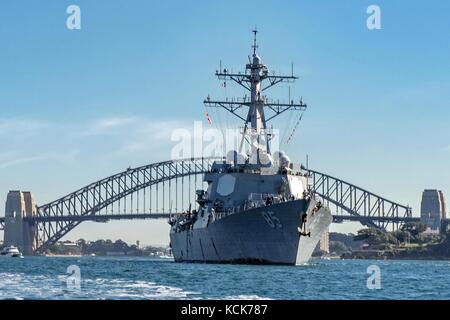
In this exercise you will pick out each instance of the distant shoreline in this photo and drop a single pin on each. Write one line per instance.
(392, 255)
(96, 256)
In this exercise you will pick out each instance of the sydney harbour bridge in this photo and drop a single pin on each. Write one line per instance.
(159, 190)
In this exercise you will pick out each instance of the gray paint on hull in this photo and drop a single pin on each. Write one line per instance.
(246, 237)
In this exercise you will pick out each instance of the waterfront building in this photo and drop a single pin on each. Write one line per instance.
(324, 243)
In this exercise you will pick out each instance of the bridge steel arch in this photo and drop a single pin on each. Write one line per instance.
(116, 192)
(124, 196)
(368, 208)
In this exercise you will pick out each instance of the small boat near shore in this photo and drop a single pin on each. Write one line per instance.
(11, 251)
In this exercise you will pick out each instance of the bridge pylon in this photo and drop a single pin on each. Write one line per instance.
(18, 231)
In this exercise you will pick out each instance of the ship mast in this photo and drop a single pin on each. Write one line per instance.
(257, 135)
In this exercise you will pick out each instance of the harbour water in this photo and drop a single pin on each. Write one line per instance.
(155, 278)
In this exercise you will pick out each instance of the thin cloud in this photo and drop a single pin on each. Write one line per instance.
(67, 157)
(56, 142)
(150, 134)
(107, 125)
(19, 161)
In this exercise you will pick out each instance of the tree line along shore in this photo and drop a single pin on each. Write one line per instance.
(411, 241)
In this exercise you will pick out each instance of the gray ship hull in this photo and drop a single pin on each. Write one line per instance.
(264, 235)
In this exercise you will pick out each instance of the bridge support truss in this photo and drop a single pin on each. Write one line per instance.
(160, 187)
(363, 206)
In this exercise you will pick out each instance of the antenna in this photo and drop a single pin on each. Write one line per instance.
(289, 87)
(256, 103)
(255, 31)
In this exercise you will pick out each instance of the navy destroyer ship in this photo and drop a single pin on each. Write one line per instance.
(257, 208)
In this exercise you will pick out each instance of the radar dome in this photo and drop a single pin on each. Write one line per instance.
(284, 161)
(241, 158)
(277, 155)
(265, 159)
(234, 157)
(281, 159)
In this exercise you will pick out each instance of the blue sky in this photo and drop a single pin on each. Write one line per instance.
(78, 105)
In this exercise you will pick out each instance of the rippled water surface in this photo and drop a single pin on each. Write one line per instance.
(150, 278)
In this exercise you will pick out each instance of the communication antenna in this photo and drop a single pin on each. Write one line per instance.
(255, 46)
(260, 110)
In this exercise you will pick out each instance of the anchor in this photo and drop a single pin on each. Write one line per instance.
(302, 228)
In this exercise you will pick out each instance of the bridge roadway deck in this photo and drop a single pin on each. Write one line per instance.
(132, 216)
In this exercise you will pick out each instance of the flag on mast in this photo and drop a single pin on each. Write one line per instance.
(208, 118)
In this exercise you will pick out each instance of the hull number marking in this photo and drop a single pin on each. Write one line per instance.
(272, 220)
